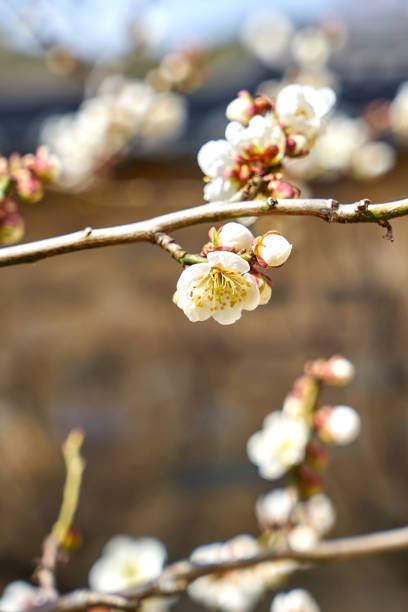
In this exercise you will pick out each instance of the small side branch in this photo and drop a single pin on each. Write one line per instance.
(176, 577)
(45, 571)
(146, 231)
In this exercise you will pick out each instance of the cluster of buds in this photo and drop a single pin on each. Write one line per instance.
(100, 132)
(22, 178)
(230, 276)
(260, 134)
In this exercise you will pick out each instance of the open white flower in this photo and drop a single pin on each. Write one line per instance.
(298, 600)
(19, 596)
(126, 562)
(301, 108)
(279, 445)
(272, 249)
(221, 289)
(219, 189)
(232, 590)
(214, 157)
(263, 132)
(235, 235)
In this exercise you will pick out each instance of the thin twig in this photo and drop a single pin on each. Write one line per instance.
(144, 231)
(176, 577)
(45, 571)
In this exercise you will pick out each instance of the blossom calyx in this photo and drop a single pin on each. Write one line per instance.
(271, 249)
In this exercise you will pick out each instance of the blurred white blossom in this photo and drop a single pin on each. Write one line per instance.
(126, 562)
(19, 596)
(310, 47)
(298, 600)
(267, 34)
(105, 124)
(239, 589)
(317, 512)
(399, 113)
(279, 445)
(275, 508)
(371, 160)
(338, 424)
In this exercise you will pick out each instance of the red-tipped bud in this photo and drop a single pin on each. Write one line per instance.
(283, 190)
(11, 223)
(297, 145)
(28, 186)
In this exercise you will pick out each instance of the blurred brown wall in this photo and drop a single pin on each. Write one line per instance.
(93, 340)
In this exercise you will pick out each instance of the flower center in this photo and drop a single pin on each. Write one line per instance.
(220, 288)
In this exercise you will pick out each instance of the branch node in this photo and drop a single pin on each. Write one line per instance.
(332, 211)
(270, 203)
(363, 204)
(87, 232)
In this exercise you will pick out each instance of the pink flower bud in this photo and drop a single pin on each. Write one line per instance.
(28, 186)
(271, 249)
(282, 190)
(297, 145)
(44, 165)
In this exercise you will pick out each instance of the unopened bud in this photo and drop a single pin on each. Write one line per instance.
(283, 190)
(235, 236)
(28, 186)
(45, 166)
(297, 145)
(337, 425)
(337, 370)
(11, 223)
(271, 249)
(241, 108)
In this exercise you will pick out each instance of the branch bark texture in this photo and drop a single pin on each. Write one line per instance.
(176, 577)
(151, 230)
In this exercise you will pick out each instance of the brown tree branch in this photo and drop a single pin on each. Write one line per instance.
(146, 231)
(176, 577)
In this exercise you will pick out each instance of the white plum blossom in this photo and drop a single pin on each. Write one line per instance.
(235, 235)
(279, 445)
(267, 33)
(338, 425)
(272, 249)
(297, 600)
(126, 562)
(302, 537)
(275, 508)
(302, 108)
(317, 512)
(371, 160)
(221, 289)
(262, 132)
(19, 596)
(240, 108)
(265, 291)
(214, 157)
(235, 589)
(219, 189)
